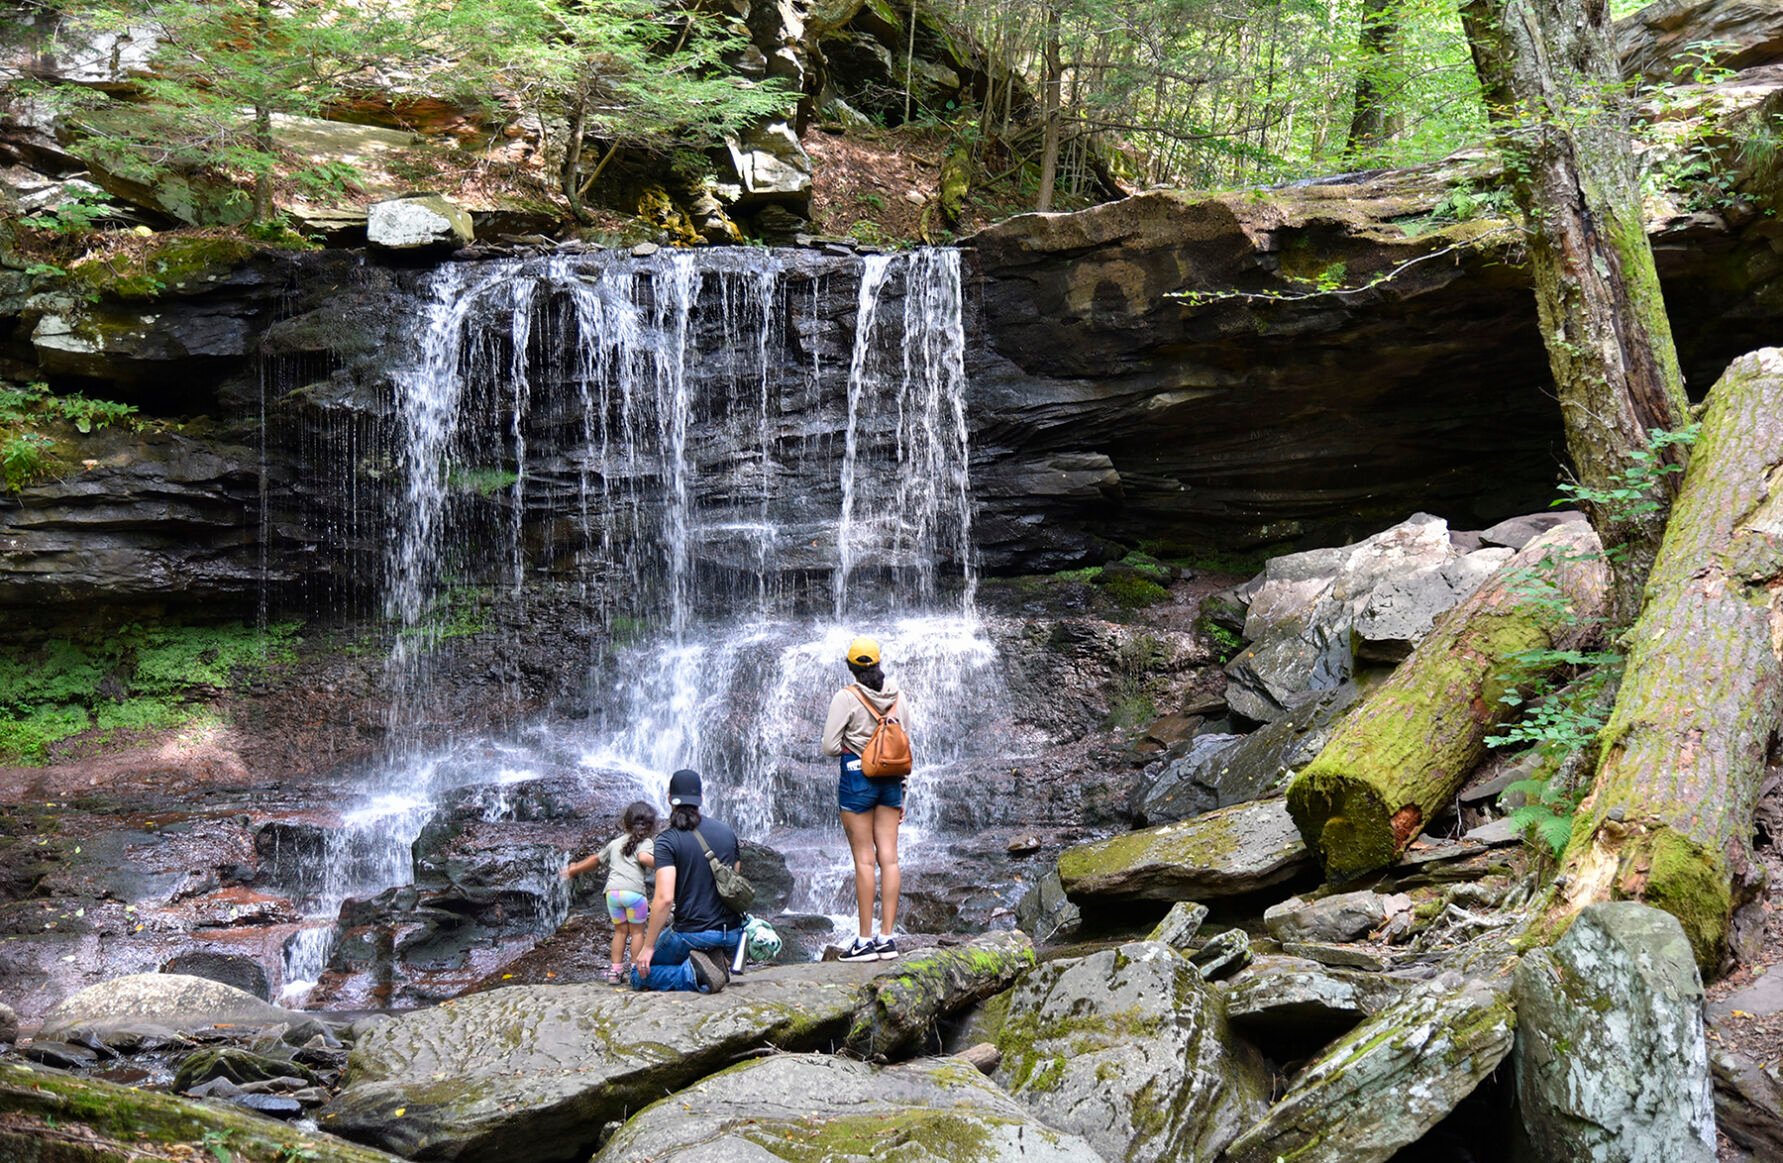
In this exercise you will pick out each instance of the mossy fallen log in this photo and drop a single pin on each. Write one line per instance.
(50, 1117)
(1669, 817)
(1407, 748)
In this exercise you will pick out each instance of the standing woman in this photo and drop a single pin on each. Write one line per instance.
(872, 808)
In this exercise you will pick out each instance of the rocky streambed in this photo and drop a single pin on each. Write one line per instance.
(1176, 981)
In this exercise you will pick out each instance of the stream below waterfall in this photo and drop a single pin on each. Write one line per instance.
(721, 500)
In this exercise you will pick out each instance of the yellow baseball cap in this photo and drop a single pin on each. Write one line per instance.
(863, 651)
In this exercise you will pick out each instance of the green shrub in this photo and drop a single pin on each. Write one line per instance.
(1130, 591)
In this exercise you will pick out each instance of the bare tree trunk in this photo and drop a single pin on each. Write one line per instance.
(263, 142)
(1549, 72)
(1369, 123)
(570, 174)
(1669, 819)
(1049, 150)
(1405, 750)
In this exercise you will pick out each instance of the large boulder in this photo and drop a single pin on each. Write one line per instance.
(1389, 1080)
(1130, 1049)
(535, 1071)
(1295, 995)
(814, 1107)
(242, 972)
(420, 223)
(47, 1116)
(1668, 35)
(899, 1010)
(771, 166)
(1313, 615)
(1239, 769)
(1046, 912)
(1611, 1058)
(157, 1005)
(1343, 916)
(1224, 853)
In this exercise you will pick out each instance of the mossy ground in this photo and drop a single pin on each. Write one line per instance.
(137, 677)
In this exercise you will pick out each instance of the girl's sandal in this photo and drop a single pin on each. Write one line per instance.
(615, 974)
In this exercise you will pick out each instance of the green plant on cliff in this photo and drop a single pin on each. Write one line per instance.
(221, 73)
(620, 76)
(27, 453)
(133, 678)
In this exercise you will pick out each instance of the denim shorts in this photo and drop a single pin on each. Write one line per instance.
(857, 793)
(628, 906)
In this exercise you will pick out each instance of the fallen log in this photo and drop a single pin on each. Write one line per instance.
(1670, 815)
(1405, 750)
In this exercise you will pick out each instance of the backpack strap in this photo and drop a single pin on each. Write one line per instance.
(877, 717)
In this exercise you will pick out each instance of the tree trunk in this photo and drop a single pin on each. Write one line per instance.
(263, 142)
(1669, 818)
(1548, 68)
(570, 175)
(1370, 125)
(1049, 151)
(1405, 750)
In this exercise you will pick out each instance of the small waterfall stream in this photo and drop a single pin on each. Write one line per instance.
(667, 440)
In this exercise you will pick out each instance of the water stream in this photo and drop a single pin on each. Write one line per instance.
(669, 441)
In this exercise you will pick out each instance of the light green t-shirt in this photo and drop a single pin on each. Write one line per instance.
(624, 873)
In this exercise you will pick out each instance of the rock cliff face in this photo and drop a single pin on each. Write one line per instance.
(1289, 366)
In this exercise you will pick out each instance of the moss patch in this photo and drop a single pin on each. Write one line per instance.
(172, 263)
(135, 678)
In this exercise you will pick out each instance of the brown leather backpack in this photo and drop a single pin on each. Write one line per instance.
(887, 754)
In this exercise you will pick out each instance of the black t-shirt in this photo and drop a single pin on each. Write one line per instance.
(697, 906)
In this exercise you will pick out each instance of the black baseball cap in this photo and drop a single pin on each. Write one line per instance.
(684, 788)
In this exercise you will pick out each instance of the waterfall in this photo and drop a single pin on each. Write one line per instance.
(727, 486)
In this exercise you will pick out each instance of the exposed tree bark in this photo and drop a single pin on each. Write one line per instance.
(1550, 76)
(570, 174)
(1373, 122)
(1405, 750)
(1049, 150)
(1669, 819)
(263, 142)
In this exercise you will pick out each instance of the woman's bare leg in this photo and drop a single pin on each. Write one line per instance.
(859, 828)
(885, 847)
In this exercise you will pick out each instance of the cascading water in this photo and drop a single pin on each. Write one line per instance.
(660, 435)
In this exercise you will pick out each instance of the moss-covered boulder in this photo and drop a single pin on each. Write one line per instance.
(157, 1005)
(1130, 1049)
(899, 1008)
(1611, 1058)
(237, 1066)
(533, 1072)
(1388, 1081)
(50, 1117)
(806, 1107)
(1225, 853)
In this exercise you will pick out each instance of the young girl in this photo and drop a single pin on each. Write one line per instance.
(628, 904)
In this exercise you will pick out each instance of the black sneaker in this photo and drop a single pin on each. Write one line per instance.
(885, 947)
(708, 971)
(861, 951)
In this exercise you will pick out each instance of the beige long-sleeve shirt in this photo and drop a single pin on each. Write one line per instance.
(848, 725)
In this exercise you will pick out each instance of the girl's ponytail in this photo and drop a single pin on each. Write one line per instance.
(639, 823)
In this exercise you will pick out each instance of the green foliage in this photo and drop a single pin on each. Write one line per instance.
(1547, 812)
(1636, 491)
(485, 482)
(24, 456)
(80, 211)
(170, 261)
(221, 71)
(1226, 644)
(1465, 203)
(1132, 591)
(132, 679)
(27, 454)
(631, 75)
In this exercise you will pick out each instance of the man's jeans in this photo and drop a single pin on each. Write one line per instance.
(669, 968)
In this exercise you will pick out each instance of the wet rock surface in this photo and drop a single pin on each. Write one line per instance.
(1131, 1050)
(810, 1106)
(157, 1005)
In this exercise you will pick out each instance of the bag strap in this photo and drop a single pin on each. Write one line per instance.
(877, 717)
(710, 857)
